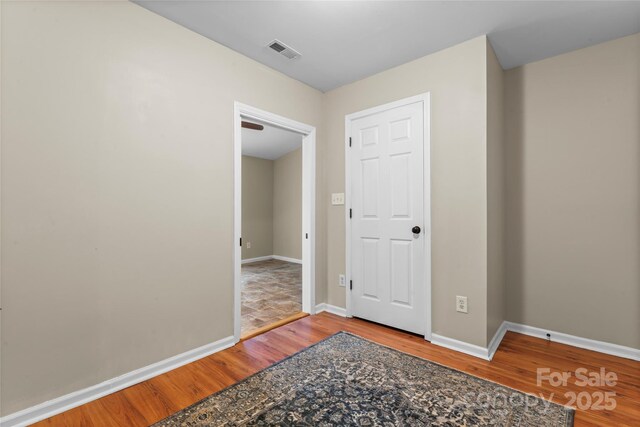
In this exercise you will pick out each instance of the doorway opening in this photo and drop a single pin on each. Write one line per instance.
(274, 224)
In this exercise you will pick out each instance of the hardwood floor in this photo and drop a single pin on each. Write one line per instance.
(514, 365)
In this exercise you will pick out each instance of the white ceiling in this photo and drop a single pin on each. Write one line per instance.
(345, 41)
(270, 143)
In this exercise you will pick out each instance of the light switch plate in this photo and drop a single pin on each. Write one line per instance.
(337, 199)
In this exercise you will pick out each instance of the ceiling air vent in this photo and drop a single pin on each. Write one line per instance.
(284, 50)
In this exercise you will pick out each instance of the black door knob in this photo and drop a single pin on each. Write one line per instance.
(416, 230)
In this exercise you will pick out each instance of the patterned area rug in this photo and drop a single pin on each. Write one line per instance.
(349, 381)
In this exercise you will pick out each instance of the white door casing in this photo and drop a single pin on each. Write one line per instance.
(308, 232)
(388, 194)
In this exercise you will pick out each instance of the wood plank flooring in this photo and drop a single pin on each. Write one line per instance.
(514, 365)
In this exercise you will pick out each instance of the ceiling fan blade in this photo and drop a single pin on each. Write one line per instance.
(253, 126)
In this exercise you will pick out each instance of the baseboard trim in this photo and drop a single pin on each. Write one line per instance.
(260, 258)
(460, 346)
(472, 349)
(559, 337)
(496, 340)
(287, 259)
(268, 257)
(580, 342)
(338, 311)
(64, 403)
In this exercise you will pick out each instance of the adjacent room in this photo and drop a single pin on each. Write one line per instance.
(319, 213)
(271, 226)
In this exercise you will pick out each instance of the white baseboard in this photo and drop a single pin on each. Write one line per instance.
(268, 257)
(487, 353)
(260, 258)
(338, 311)
(586, 343)
(472, 349)
(497, 339)
(64, 403)
(287, 259)
(461, 346)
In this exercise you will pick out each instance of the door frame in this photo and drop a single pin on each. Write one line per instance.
(425, 98)
(308, 204)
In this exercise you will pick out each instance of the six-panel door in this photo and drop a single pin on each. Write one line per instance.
(387, 201)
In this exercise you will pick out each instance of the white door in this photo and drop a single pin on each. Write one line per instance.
(388, 231)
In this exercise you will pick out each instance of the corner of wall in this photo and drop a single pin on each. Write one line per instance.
(496, 209)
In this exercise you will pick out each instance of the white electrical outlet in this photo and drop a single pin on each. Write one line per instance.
(248, 245)
(461, 304)
(343, 280)
(337, 199)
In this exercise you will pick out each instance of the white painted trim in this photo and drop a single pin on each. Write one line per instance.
(586, 343)
(461, 346)
(64, 403)
(287, 259)
(257, 259)
(268, 257)
(338, 311)
(308, 203)
(308, 232)
(389, 106)
(428, 230)
(273, 119)
(496, 340)
(425, 98)
(347, 219)
(572, 340)
(472, 349)
(237, 220)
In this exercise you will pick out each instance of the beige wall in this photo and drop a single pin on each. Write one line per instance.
(456, 78)
(496, 209)
(116, 175)
(287, 205)
(272, 206)
(257, 207)
(573, 185)
(117, 202)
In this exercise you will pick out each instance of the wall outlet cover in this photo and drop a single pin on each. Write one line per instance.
(343, 280)
(461, 304)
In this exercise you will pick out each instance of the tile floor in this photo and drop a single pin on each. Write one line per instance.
(271, 291)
